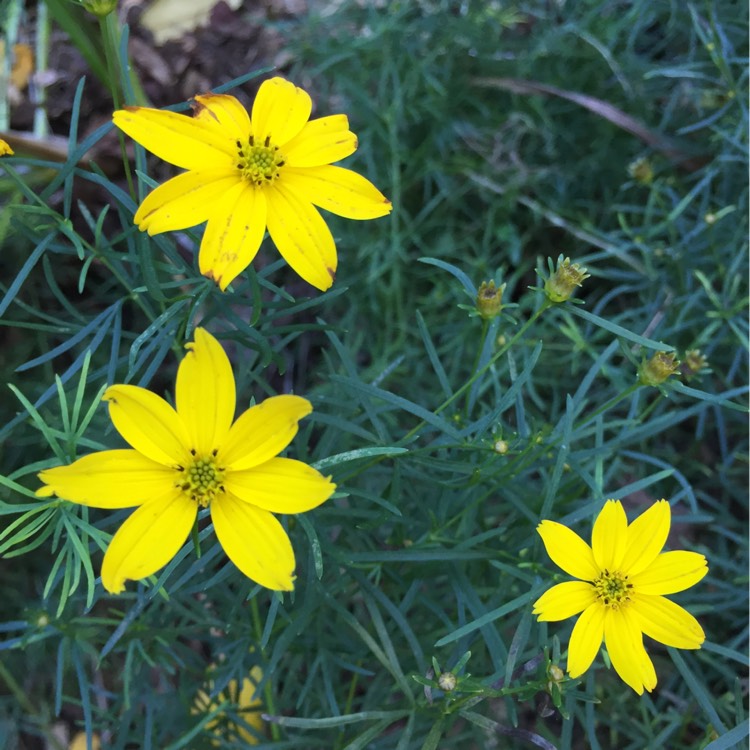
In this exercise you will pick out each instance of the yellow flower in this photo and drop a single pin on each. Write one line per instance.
(247, 700)
(79, 742)
(620, 595)
(194, 457)
(5, 149)
(246, 173)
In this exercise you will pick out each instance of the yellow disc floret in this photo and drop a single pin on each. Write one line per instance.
(259, 164)
(202, 479)
(612, 589)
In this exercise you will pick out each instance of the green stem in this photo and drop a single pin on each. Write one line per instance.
(475, 365)
(612, 402)
(268, 691)
(42, 48)
(110, 37)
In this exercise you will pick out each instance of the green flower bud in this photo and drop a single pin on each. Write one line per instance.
(501, 447)
(447, 681)
(561, 285)
(693, 363)
(641, 171)
(657, 369)
(489, 300)
(100, 8)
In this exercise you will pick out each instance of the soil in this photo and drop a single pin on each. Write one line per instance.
(232, 43)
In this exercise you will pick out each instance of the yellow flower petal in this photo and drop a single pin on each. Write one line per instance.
(281, 485)
(5, 149)
(280, 111)
(205, 393)
(609, 536)
(148, 423)
(646, 537)
(250, 696)
(233, 235)
(80, 742)
(624, 642)
(262, 432)
(181, 140)
(148, 540)
(321, 141)
(340, 191)
(564, 600)
(110, 479)
(254, 541)
(585, 639)
(226, 111)
(250, 702)
(568, 551)
(671, 572)
(301, 236)
(185, 200)
(667, 622)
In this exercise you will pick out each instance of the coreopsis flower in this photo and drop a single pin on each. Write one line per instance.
(248, 172)
(195, 456)
(5, 149)
(248, 702)
(80, 742)
(620, 595)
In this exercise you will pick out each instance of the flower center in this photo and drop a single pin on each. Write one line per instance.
(259, 164)
(202, 479)
(612, 589)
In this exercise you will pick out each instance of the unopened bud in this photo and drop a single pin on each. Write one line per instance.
(561, 285)
(489, 300)
(641, 171)
(693, 363)
(657, 369)
(447, 681)
(42, 620)
(555, 673)
(100, 8)
(501, 447)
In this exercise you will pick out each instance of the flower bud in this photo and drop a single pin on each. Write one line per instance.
(641, 171)
(447, 681)
(560, 286)
(489, 300)
(555, 673)
(693, 363)
(657, 369)
(100, 8)
(501, 447)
